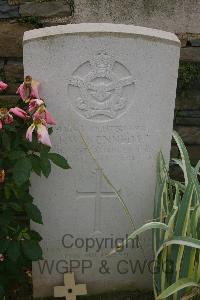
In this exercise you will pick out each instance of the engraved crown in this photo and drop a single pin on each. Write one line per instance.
(102, 62)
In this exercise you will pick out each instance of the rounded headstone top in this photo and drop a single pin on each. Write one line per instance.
(102, 28)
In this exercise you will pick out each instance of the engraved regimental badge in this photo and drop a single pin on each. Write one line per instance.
(101, 88)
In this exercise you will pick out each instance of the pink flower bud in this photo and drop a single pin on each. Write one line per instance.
(3, 86)
(2, 258)
(19, 112)
(2, 176)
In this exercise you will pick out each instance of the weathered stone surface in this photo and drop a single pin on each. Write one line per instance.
(13, 75)
(188, 99)
(189, 78)
(189, 134)
(190, 54)
(18, 2)
(106, 88)
(193, 36)
(11, 36)
(1, 64)
(7, 11)
(183, 37)
(45, 9)
(171, 15)
(14, 72)
(188, 39)
(12, 88)
(56, 21)
(189, 118)
(8, 100)
(195, 43)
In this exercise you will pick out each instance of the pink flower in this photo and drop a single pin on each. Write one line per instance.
(35, 85)
(3, 86)
(21, 91)
(44, 114)
(19, 112)
(48, 118)
(34, 104)
(8, 119)
(42, 132)
(2, 258)
(43, 135)
(5, 117)
(28, 89)
(29, 133)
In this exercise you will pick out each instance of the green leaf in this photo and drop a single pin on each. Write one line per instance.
(44, 149)
(185, 165)
(184, 211)
(148, 226)
(35, 235)
(36, 165)
(33, 213)
(188, 170)
(17, 154)
(32, 250)
(195, 218)
(21, 171)
(182, 222)
(6, 141)
(197, 168)
(3, 245)
(15, 206)
(180, 240)
(23, 234)
(7, 191)
(177, 286)
(1, 292)
(13, 250)
(26, 236)
(50, 130)
(45, 165)
(5, 218)
(10, 128)
(59, 160)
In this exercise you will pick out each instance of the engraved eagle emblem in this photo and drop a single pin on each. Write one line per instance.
(101, 89)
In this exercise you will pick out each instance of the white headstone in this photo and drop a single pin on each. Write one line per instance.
(111, 89)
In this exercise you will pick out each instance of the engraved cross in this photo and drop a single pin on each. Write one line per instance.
(98, 195)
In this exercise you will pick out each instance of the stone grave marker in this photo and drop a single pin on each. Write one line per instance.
(111, 89)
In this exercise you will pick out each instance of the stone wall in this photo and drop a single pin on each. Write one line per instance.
(171, 15)
(179, 16)
(17, 16)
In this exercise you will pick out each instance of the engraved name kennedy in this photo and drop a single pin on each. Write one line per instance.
(101, 82)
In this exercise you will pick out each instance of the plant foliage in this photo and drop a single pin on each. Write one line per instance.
(22, 153)
(176, 230)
